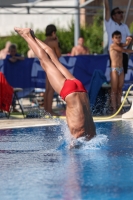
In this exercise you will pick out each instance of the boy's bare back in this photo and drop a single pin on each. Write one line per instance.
(53, 44)
(78, 115)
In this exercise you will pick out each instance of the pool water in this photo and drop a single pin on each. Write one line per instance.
(36, 164)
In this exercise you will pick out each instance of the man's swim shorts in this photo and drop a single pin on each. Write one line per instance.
(71, 86)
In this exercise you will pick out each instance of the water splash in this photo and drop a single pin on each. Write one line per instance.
(38, 113)
(61, 128)
(65, 139)
(98, 142)
(102, 105)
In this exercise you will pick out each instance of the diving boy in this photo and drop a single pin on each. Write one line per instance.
(78, 114)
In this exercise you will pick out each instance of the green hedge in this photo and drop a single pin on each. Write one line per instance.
(93, 35)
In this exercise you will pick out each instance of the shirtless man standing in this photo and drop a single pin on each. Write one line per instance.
(30, 53)
(117, 72)
(52, 41)
(80, 49)
(78, 114)
(4, 52)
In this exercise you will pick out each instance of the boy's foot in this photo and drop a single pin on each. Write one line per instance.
(23, 31)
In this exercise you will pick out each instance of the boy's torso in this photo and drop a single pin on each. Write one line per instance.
(116, 58)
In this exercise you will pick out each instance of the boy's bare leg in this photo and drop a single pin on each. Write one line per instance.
(48, 97)
(55, 77)
(54, 59)
(114, 88)
(113, 101)
(120, 85)
(119, 95)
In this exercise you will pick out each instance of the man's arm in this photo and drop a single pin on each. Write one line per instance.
(73, 51)
(29, 54)
(107, 9)
(57, 49)
(19, 58)
(87, 50)
(13, 59)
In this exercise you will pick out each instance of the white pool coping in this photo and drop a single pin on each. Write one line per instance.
(25, 123)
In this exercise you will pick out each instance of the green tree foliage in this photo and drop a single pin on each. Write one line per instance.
(131, 28)
(93, 35)
(66, 38)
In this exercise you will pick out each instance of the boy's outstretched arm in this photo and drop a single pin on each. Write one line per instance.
(128, 51)
(120, 49)
(128, 41)
(73, 51)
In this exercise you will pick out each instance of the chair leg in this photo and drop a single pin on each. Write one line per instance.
(15, 98)
(7, 115)
(3, 113)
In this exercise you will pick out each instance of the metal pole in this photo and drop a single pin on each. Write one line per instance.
(77, 23)
(127, 10)
(86, 3)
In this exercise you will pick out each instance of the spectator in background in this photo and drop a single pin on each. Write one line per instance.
(13, 56)
(113, 22)
(4, 52)
(80, 49)
(52, 41)
(40, 99)
(117, 72)
(30, 53)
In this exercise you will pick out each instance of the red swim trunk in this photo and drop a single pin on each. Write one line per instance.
(71, 86)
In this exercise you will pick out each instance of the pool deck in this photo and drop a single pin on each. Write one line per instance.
(17, 121)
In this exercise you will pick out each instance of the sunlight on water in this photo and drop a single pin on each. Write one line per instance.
(37, 164)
